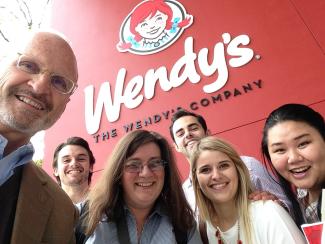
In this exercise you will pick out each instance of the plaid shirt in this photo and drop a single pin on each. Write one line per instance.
(309, 210)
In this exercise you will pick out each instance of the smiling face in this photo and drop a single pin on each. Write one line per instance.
(28, 103)
(73, 166)
(217, 177)
(141, 190)
(187, 132)
(152, 26)
(297, 152)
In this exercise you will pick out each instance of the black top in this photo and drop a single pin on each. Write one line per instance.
(9, 192)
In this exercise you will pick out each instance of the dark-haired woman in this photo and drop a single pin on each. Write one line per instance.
(139, 198)
(293, 145)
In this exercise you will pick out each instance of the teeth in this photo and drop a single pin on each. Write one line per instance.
(299, 170)
(30, 102)
(219, 186)
(145, 184)
(74, 170)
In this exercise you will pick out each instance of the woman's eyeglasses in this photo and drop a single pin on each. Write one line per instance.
(136, 166)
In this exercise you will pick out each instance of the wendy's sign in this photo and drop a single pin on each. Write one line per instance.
(230, 52)
(152, 26)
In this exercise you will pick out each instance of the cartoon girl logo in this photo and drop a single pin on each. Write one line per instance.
(152, 26)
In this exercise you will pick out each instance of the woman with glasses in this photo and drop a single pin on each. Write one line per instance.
(139, 198)
(221, 185)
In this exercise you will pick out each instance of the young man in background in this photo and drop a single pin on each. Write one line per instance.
(73, 165)
(188, 128)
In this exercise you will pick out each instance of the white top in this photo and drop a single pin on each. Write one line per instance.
(229, 236)
(270, 224)
(189, 192)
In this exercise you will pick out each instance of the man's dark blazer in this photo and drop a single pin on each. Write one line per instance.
(44, 212)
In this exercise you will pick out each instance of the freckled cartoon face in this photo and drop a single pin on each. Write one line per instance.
(152, 26)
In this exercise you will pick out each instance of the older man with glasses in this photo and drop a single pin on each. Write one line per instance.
(36, 84)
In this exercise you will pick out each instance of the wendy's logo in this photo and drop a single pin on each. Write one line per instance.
(152, 26)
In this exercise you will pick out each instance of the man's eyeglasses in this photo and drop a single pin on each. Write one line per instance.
(60, 83)
(136, 166)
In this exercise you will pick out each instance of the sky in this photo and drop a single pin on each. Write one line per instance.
(15, 16)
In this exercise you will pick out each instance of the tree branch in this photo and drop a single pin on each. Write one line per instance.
(29, 21)
(3, 36)
(43, 13)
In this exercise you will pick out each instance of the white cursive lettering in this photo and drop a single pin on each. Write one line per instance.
(184, 69)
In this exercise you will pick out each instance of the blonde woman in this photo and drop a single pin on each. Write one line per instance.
(221, 183)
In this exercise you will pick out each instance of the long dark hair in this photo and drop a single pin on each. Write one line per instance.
(298, 113)
(107, 195)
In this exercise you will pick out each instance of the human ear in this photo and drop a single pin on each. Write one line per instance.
(56, 172)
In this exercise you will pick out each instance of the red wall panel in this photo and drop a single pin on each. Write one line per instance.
(288, 36)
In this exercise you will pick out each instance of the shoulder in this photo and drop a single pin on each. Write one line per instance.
(251, 162)
(38, 183)
(266, 207)
(272, 223)
(105, 232)
(259, 175)
(269, 213)
(48, 184)
(54, 207)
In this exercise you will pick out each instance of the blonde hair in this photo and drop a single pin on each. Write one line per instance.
(107, 195)
(205, 205)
